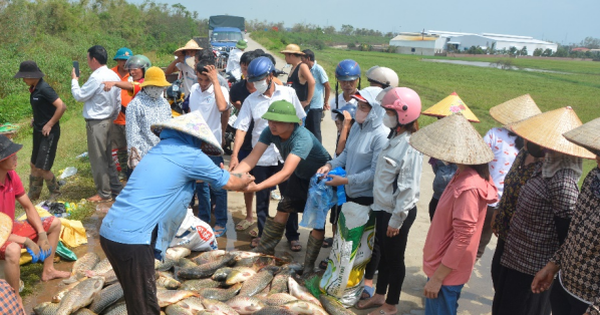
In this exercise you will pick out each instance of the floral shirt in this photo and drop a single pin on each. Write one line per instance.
(142, 112)
(503, 145)
(579, 256)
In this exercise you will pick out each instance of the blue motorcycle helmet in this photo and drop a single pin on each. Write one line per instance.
(347, 70)
(259, 68)
(350, 108)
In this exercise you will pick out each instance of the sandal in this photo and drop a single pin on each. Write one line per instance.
(369, 291)
(220, 232)
(327, 242)
(323, 264)
(254, 243)
(243, 225)
(253, 232)
(295, 246)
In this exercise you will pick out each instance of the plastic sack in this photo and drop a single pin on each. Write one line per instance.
(72, 233)
(350, 254)
(321, 199)
(64, 252)
(195, 234)
(68, 172)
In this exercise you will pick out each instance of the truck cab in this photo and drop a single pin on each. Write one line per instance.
(225, 38)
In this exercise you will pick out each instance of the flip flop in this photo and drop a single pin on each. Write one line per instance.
(243, 225)
(220, 232)
(295, 246)
(253, 232)
(327, 242)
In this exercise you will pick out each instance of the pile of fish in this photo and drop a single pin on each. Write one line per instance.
(216, 282)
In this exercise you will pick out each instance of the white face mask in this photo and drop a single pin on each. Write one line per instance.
(261, 86)
(360, 116)
(154, 91)
(390, 121)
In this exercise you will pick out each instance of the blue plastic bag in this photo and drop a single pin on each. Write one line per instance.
(321, 198)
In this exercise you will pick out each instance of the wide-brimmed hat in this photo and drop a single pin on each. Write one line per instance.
(8, 148)
(6, 226)
(292, 49)
(452, 139)
(586, 135)
(194, 125)
(241, 44)
(123, 53)
(281, 111)
(452, 104)
(155, 76)
(190, 45)
(547, 130)
(29, 70)
(514, 110)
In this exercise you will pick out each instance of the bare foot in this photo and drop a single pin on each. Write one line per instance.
(376, 301)
(54, 274)
(385, 309)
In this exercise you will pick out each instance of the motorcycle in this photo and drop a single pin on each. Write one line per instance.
(175, 97)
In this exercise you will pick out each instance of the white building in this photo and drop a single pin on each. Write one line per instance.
(431, 42)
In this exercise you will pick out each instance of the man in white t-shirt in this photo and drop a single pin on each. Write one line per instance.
(210, 99)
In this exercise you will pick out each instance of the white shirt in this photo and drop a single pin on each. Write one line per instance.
(98, 104)
(233, 63)
(205, 102)
(341, 103)
(187, 76)
(505, 152)
(254, 107)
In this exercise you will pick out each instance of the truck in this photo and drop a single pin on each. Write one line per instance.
(224, 31)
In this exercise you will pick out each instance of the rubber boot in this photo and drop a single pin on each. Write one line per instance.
(35, 187)
(122, 157)
(271, 235)
(312, 253)
(53, 188)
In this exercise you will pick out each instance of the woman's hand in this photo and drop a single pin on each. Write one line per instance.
(432, 288)
(337, 180)
(323, 170)
(391, 232)
(543, 278)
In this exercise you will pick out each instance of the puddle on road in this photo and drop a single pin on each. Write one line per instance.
(486, 64)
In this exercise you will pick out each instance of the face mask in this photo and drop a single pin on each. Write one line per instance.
(190, 61)
(535, 150)
(261, 86)
(154, 91)
(390, 121)
(360, 116)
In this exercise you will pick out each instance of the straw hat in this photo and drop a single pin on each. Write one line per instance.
(292, 49)
(547, 130)
(6, 226)
(452, 139)
(587, 136)
(450, 105)
(191, 45)
(516, 109)
(194, 125)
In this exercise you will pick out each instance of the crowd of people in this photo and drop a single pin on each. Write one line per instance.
(518, 182)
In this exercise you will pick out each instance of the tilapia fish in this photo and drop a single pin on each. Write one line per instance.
(303, 307)
(101, 268)
(245, 304)
(204, 270)
(117, 309)
(175, 253)
(222, 273)
(179, 309)
(84, 311)
(208, 256)
(83, 264)
(301, 292)
(280, 282)
(80, 296)
(274, 310)
(333, 306)
(196, 285)
(166, 280)
(106, 297)
(164, 265)
(239, 275)
(256, 283)
(214, 305)
(220, 294)
(46, 308)
(194, 303)
(279, 299)
(168, 297)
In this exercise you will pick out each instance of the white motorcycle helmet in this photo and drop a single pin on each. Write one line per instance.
(383, 76)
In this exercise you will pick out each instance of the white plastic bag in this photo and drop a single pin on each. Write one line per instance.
(195, 234)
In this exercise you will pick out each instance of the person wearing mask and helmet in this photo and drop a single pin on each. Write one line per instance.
(347, 74)
(382, 77)
(137, 66)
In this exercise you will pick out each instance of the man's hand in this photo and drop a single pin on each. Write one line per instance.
(543, 279)
(46, 249)
(305, 103)
(326, 106)
(180, 56)
(73, 75)
(252, 187)
(108, 85)
(213, 74)
(233, 162)
(391, 232)
(337, 181)
(323, 170)
(33, 249)
(46, 129)
(432, 288)
(347, 119)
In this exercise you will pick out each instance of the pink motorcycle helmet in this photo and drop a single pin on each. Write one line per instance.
(406, 102)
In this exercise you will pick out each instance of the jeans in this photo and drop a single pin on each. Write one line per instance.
(206, 193)
(446, 302)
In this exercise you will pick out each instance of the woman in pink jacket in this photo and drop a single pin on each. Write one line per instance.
(453, 237)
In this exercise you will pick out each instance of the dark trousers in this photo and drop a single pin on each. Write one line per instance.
(486, 232)
(392, 269)
(496, 267)
(564, 303)
(313, 122)
(134, 267)
(514, 297)
(263, 200)
(432, 205)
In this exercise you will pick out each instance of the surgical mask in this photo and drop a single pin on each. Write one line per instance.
(154, 91)
(360, 116)
(261, 86)
(390, 121)
(190, 61)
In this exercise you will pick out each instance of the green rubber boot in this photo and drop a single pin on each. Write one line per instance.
(312, 253)
(53, 188)
(271, 235)
(35, 187)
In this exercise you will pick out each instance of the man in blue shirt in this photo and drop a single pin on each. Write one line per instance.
(314, 111)
(142, 222)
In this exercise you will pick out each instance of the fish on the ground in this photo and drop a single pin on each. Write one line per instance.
(45, 308)
(60, 294)
(165, 279)
(83, 264)
(301, 292)
(279, 299)
(208, 256)
(198, 284)
(106, 297)
(110, 277)
(80, 296)
(280, 282)
(256, 283)
(239, 275)
(117, 309)
(245, 304)
(84, 311)
(333, 306)
(194, 303)
(222, 273)
(220, 294)
(101, 268)
(205, 270)
(165, 264)
(179, 309)
(214, 305)
(275, 310)
(168, 297)
(175, 253)
(303, 307)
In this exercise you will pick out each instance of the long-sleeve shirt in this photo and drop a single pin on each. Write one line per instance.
(453, 237)
(142, 113)
(97, 103)
(397, 179)
(505, 150)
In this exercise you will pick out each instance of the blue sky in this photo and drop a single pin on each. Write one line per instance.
(558, 21)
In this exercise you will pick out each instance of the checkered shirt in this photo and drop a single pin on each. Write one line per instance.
(532, 239)
(8, 300)
(579, 256)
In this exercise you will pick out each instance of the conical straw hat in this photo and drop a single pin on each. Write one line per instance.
(6, 226)
(547, 130)
(194, 125)
(452, 104)
(190, 45)
(514, 110)
(587, 136)
(452, 139)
